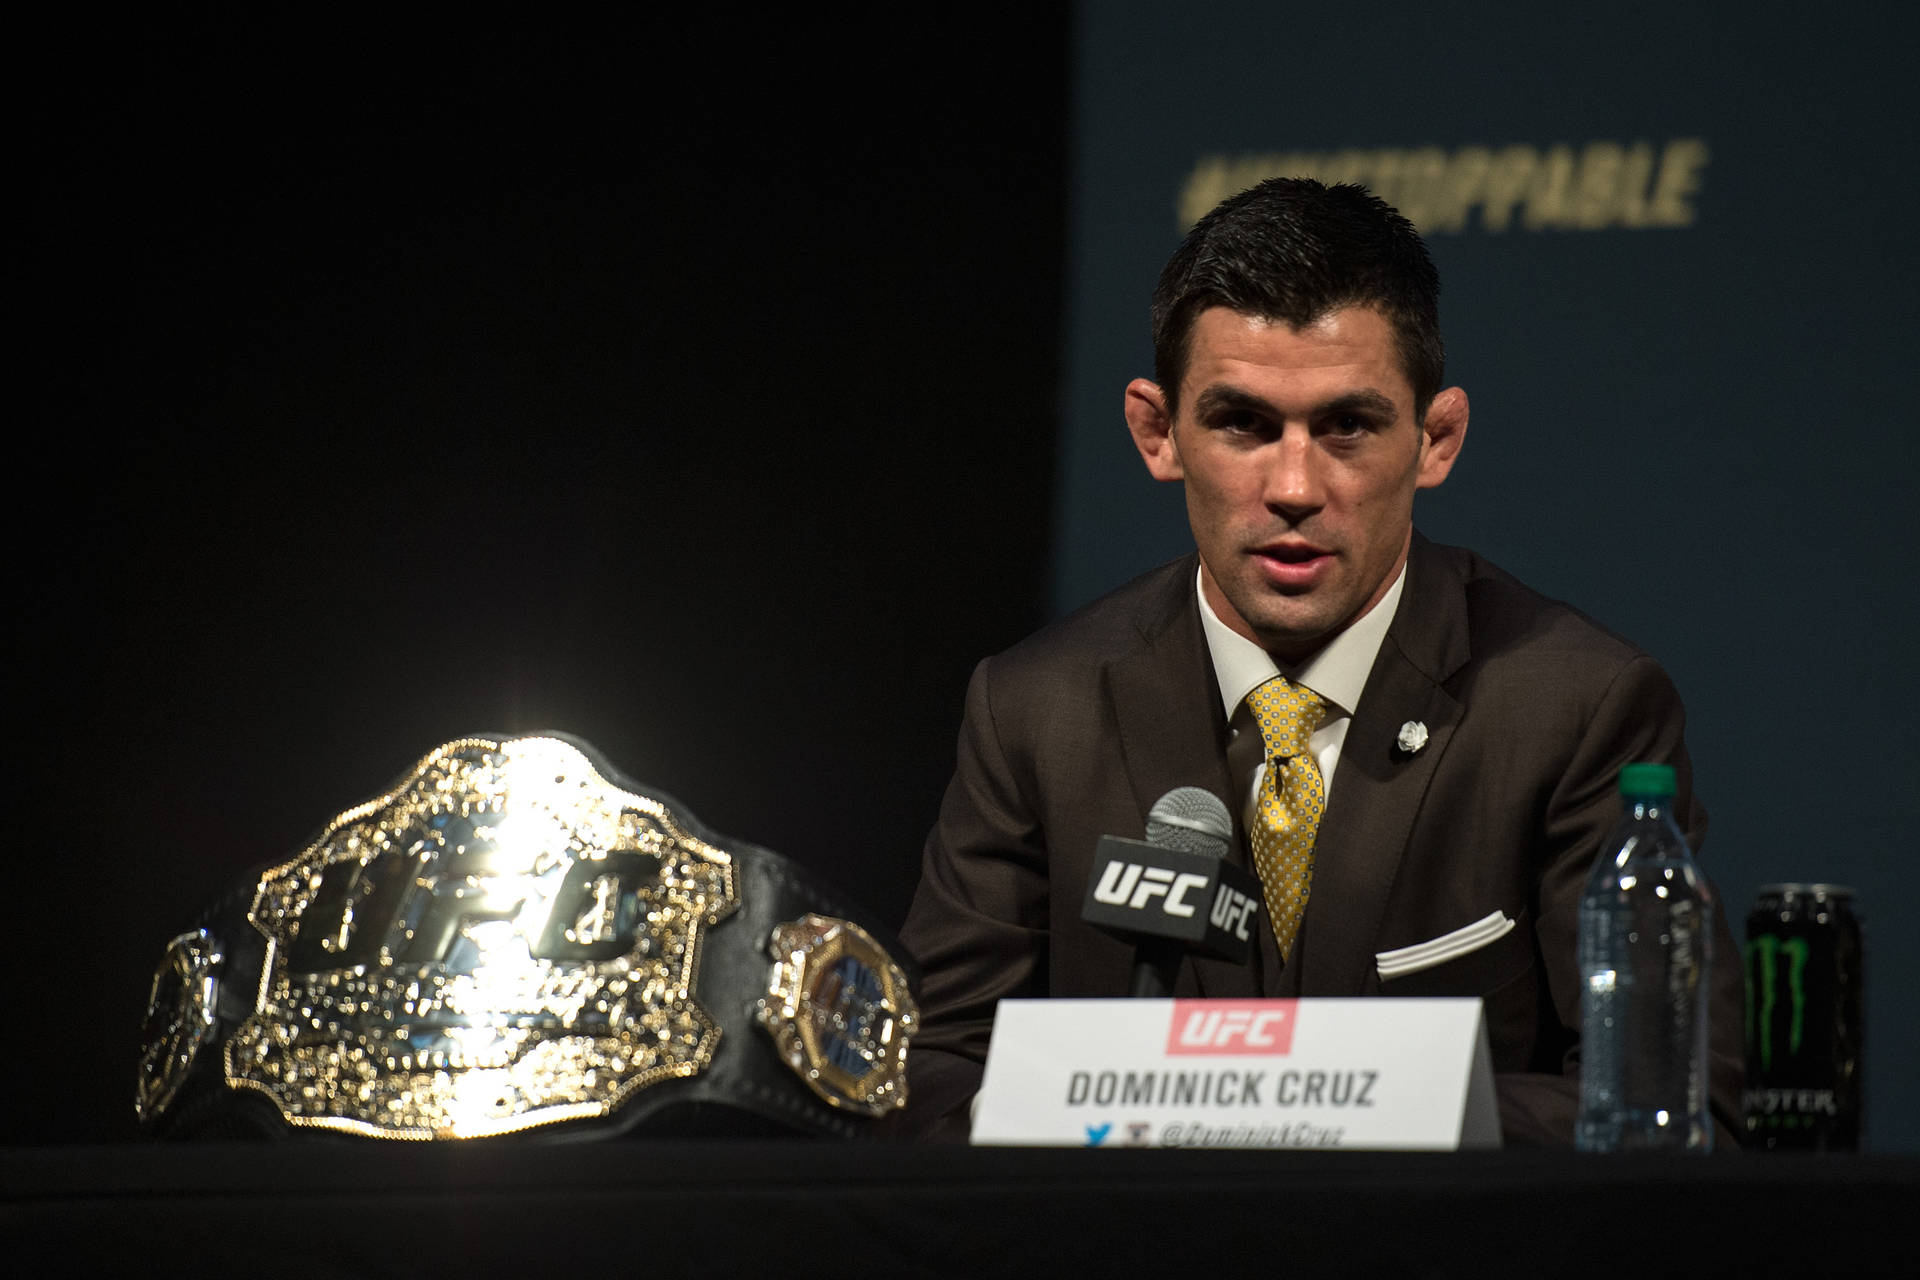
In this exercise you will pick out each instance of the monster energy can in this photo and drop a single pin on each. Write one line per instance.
(1805, 999)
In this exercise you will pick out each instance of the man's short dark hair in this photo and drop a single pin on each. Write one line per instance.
(1292, 249)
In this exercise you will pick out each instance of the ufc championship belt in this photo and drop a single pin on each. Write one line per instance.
(514, 937)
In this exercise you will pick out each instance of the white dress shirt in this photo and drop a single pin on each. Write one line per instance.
(1337, 672)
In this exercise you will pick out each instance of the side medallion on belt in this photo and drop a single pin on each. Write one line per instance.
(841, 1013)
(180, 1020)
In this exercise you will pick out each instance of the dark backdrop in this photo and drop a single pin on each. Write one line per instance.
(686, 385)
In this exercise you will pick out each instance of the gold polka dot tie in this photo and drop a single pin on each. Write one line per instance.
(1291, 799)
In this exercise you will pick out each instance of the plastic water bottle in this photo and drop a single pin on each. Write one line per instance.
(1646, 924)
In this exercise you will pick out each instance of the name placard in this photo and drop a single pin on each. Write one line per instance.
(1379, 1074)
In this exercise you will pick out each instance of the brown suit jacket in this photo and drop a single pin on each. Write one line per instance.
(1531, 709)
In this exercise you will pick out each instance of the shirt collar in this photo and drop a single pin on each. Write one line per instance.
(1337, 672)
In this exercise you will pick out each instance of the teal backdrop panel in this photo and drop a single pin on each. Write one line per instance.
(1677, 246)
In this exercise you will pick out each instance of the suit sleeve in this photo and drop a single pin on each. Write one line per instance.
(978, 924)
(1639, 718)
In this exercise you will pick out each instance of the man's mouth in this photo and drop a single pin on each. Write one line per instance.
(1292, 552)
(1293, 564)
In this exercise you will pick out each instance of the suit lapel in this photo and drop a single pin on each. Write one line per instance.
(1166, 705)
(1378, 788)
(1172, 732)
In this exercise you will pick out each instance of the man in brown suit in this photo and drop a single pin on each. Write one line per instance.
(1473, 729)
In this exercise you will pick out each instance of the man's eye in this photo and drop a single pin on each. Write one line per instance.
(1349, 424)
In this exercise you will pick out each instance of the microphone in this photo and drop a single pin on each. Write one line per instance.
(1192, 820)
(1175, 892)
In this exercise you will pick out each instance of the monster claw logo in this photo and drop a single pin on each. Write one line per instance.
(1763, 962)
(1805, 971)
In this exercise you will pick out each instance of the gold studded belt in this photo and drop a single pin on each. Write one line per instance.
(514, 937)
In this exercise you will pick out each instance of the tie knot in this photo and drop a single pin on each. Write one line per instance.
(1287, 714)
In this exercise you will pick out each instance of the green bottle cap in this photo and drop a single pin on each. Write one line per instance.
(1653, 781)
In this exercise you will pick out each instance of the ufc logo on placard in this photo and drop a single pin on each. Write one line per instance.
(1231, 1026)
(1131, 885)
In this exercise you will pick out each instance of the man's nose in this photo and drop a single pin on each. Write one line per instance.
(1295, 486)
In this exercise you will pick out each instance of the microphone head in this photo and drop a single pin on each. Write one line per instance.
(1192, 820)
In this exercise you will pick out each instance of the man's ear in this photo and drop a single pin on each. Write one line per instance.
(1444, 431)
(1152, 430)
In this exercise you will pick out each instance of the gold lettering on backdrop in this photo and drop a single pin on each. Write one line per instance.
(1547, 193)
(1598, 185)
(1217, 177)
(1679, 178)
(1635, 169)
(1464, 184)
(1421, 186)
(1361, 167)
(1597, 189)
(1508, 178)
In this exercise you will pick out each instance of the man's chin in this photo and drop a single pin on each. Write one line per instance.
(1285, 621)
(1293, 637)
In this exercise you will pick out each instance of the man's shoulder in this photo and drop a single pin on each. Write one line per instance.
(1122, 621)
(1513, 626)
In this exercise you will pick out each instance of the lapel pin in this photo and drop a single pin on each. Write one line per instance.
(1413, 736)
